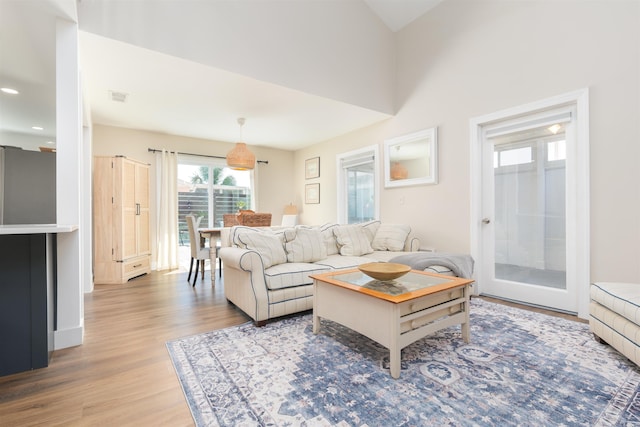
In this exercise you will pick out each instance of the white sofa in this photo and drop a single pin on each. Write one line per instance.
(266, 270)
(614, 316)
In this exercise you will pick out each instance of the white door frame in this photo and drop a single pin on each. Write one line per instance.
(577, 185)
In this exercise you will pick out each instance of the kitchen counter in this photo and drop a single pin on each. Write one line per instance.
(28, 286)
(36, 228)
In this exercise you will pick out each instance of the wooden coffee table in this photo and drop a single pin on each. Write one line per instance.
(393, 313)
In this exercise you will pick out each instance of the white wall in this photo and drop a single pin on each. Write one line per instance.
(327, 211)
(335, 49)
(466, 59)
(273, 181)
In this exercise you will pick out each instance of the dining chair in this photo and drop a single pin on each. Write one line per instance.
(199, 252)
(257, 219)
(229, 220)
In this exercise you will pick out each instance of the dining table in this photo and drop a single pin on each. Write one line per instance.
(213, 235)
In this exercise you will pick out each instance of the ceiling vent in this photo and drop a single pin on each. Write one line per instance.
(118, 96)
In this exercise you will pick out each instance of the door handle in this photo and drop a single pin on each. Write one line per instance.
(486, 221)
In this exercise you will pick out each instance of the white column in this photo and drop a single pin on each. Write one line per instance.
(86, 211)
(70, 306)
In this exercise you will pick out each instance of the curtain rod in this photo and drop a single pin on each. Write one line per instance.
(155, 150)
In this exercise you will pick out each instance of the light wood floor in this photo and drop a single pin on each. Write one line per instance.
(122, 374)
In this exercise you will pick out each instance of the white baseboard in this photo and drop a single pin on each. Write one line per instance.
(68, 337)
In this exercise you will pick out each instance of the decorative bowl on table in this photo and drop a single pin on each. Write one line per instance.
(384, 270)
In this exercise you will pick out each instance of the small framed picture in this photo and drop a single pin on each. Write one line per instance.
(312, 168)
(312, 194)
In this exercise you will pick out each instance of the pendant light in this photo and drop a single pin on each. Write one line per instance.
(240, 158)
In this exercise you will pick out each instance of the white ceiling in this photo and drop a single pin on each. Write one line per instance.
(397, 14)
(27, 63)
(171, 95)
(166, 94)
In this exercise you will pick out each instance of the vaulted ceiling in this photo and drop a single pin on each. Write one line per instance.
(164, 93)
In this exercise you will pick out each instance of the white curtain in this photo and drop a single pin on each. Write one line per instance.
(167, 210)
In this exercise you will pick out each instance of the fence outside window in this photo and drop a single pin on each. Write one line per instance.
(226, 199)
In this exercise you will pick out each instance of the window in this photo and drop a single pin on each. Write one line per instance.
(209, 189)
(515, 156)
(358, 191)
(556, 150)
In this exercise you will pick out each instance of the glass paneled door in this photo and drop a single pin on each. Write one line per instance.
(208, 189)
(525, 211)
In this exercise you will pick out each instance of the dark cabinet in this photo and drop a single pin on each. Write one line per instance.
(27, 301)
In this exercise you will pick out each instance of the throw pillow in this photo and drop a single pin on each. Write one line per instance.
(236, 231)
(352, 240)
(390, 237)
(268, 245)
(329, 238)
(304, 245)
(370, 228)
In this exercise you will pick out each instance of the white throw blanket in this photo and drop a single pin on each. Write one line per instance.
(461, 265)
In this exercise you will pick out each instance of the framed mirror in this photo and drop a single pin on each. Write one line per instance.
(411, 159)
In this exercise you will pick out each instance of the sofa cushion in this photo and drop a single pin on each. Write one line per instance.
(370, 228)
(621, 298)
(390, 237)
(268, 245)
(291, 274)
(352, 240)
(237, 230)
(330, 238)
(304, 245)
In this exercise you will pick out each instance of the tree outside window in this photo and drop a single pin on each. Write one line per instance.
(201, 196)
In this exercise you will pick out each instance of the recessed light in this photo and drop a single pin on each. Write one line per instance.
(50, 142)
(37, 128)
(9, 91)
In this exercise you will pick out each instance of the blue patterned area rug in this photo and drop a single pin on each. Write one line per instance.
(521, 368)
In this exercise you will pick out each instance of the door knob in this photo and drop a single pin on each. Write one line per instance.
(486, 220)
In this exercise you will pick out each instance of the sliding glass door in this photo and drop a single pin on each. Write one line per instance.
(208, 189)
